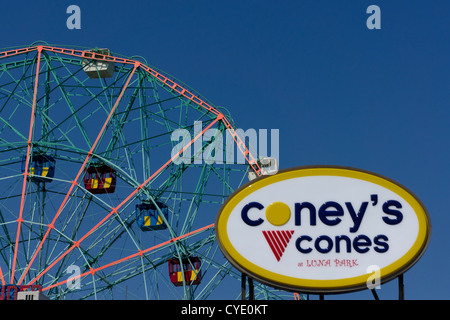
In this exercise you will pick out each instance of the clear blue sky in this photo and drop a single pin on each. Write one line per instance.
(338, 92)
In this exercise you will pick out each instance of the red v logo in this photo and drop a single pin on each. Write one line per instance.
(278, 240)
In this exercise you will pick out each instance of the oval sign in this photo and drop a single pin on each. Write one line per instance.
(323, 229)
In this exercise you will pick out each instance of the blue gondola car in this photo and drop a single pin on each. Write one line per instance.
(41, 167)
(148, 217)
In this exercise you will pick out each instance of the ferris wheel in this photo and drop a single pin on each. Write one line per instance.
(97, 198)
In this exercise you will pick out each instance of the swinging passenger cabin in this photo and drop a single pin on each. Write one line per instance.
(188, 270)
(97, 67)
(99, 178)
(148, 216)
(41, 167)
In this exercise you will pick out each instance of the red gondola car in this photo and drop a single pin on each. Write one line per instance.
(100, 178)
(191, 267)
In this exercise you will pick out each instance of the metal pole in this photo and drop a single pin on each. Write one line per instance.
(251, 291)
(243, 287)
(374, 293)
(401, 288)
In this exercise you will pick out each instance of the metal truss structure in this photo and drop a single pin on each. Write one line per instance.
(81, 108)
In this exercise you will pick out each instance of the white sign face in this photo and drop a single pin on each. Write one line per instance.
(322, 229)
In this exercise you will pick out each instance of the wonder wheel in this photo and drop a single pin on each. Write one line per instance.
(111, 178)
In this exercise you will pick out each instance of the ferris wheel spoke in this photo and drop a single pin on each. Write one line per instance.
(27, 162)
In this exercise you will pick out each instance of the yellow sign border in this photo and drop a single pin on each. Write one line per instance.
(308, 285)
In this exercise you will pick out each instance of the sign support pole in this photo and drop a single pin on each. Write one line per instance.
(375, 295)
(401, 288)
(251, 291)
(243, 286)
